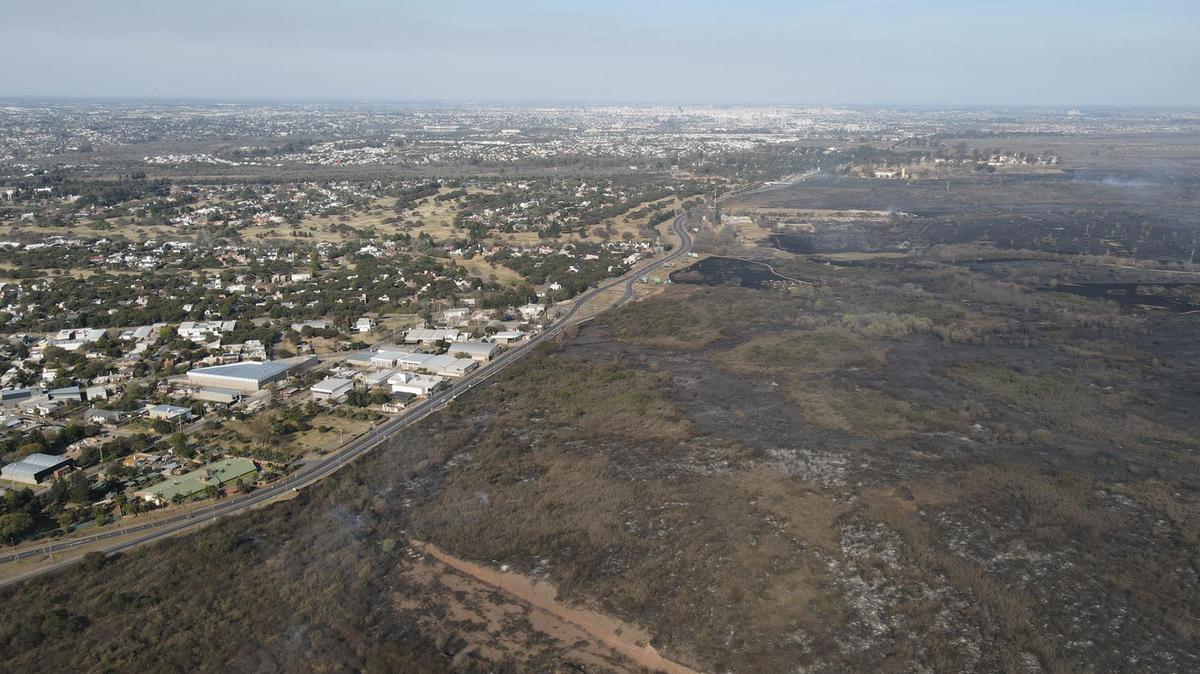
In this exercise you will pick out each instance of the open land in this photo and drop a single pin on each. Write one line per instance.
(878, 423)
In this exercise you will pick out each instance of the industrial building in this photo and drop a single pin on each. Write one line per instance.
(247, 376)
(35, 468)
(445, 365)
(414, 384)
(508, 336)
(227, 396)
(425, 336)
(332, 389)
(480, 351)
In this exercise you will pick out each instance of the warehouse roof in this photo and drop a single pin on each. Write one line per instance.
(474, 348)
(246, 370)
(34, 464)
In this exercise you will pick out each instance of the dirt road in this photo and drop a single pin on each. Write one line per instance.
(630, 641)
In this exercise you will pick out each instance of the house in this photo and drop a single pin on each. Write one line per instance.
(318, 324)
(364, 324)
(36, 468)
(332, 388)
(530, 311)
(456, 316)
(171, 413)
(106, 417)
(217, 474)
(479, 351)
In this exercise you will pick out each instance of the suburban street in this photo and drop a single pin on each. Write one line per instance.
(69, 552)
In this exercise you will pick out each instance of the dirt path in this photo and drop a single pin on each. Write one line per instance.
(629, 641)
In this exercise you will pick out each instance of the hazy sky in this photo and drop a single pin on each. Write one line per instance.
(1055, 52)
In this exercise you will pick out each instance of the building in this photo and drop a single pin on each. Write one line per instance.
(225, 396)
(364, 324)
(426, 336)
(332, 389)
(414, 384)
(508, 336)
(16, 395)
(456, 316)
(480, 351)
(217, 474)
(172, 413)
(139, 334)
(449, 366)
(66, 393)
(530, 311)
(318, 324)
(375, 378)
(107, 417)
(36, 468)
(198, 331)
(247, 376)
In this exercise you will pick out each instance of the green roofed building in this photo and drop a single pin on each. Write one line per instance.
(217, 474)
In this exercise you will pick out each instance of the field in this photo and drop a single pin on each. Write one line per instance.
(960, 437)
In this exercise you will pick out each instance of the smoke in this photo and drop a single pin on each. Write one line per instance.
(1115, 181)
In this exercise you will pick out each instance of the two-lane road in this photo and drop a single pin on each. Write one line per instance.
(313, 471)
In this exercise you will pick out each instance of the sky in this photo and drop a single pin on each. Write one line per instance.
(820, 52)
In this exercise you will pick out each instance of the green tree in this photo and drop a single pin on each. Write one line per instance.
(15, 525)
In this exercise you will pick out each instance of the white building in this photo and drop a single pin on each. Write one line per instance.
(426, 336)
(198, 331)
(415, 384)
(508, 336)
(332, 389)
(171, 413)
(480, 351)
(364, 324)
(248, 375)
(456, 316)
(530, 311)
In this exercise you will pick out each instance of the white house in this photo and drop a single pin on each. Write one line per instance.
(530, 311)
(364, 324)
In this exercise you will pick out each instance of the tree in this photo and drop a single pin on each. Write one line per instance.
(79, 487)
(15, 525)
(179, 444)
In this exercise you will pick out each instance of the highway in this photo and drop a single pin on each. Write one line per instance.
(316, 470)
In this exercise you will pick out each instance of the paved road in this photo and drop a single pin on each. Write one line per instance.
(316, 470)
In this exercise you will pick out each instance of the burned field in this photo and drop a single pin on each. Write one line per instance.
(1089, 213)
(948, 460)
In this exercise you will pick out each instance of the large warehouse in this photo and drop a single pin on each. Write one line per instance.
(35, 468)
(248, 375)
